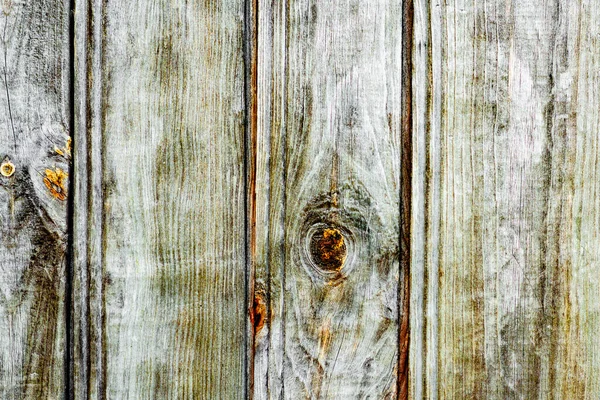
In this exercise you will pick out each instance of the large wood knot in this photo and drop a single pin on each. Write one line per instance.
(331, 238)
(328, 248)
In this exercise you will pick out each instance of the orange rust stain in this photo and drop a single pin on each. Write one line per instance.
(56, 182)
(330, 249)
(258, 314)
(7, 169)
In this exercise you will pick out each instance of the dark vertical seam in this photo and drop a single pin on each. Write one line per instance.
(254, 159)
(268, 251)
(101, 296)
(284, 166)
(86, 322)
(246, 202)
(549, 273)
(428, 189)
(405, 198)
(68, 354)
(249, 56)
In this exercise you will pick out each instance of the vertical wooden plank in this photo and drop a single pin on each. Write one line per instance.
(573, 256)
(160, 222)
(34, 181)
(505, 213)
(327, 199)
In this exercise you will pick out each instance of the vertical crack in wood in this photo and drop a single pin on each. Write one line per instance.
(68, 306)
(405, 198)
(250, 154)
(5, 76)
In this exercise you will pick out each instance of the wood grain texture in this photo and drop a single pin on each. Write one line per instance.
(34, 170)
(505, 255)
(326, 250)
(159, 297)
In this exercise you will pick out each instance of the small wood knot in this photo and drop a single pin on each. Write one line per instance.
(7, 169)
(328, 248)
(258, 314)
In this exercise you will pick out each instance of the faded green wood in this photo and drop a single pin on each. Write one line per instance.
(327, 214)
(159, 223)
(35, 159)
(505, 293)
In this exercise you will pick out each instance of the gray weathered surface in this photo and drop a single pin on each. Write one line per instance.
(170, 186)
(505, 292)
(159, 224)
(328, 157)
(34, 129)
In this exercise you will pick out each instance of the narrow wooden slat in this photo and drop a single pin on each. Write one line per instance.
(34, 180)
(505, 252)
(327, 199)
(159, 296)
(572, 254)
(88, 358)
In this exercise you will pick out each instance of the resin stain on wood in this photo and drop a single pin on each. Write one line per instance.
(56, 181)
(258, 313)
(328, 248)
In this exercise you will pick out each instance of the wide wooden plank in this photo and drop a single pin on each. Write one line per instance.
(505, 295)
(159, 301)
(34, 180)
(327, 208)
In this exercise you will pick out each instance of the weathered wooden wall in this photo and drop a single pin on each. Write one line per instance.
(260, 189)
